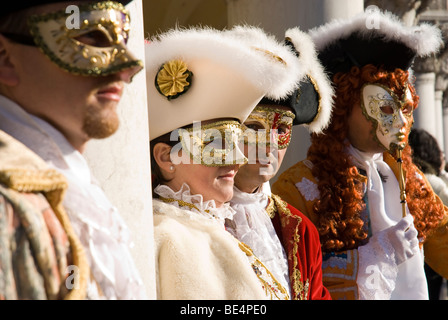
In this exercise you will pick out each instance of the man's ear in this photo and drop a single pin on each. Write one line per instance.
(161, 154)
(8, 72)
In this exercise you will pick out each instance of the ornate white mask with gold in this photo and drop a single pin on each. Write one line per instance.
(392, 116)
(96, 48)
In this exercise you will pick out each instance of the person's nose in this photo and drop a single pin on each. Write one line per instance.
(127, 74)
(401, 120)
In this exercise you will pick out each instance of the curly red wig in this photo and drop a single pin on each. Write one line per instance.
(341, 188)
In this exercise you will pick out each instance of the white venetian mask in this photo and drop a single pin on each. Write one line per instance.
(392, 116)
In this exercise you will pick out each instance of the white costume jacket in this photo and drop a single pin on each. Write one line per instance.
(196, 258)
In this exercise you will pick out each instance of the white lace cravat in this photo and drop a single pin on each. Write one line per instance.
(252, 226)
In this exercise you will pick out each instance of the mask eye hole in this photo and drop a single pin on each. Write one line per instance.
(254, 126)
(283, 129)
(95, 38)
(387, 109)
(407, 108)
(215, 142)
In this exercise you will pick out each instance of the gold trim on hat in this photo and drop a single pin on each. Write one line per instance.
(271, 54)
(173, 79)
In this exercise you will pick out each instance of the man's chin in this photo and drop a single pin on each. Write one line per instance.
(102, 129)
(267, 171)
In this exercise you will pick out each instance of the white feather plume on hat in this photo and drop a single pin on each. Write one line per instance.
(283, 83)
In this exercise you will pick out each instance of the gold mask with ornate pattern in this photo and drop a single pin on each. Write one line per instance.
(96, 48)
(212, 144)
(268, 126)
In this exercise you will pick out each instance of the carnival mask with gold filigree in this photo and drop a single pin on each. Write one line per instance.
(96, 48)
(268, 127)
(391, 115)
(212, 144)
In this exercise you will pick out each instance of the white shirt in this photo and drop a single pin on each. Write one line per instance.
(406, 281)
(252, 226)
(95, 220)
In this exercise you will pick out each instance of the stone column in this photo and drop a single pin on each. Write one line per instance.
(121, 163)
(438, 94)
(425, 114)
(445, 131)
(277, 16)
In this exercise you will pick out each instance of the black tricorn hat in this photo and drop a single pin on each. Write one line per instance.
(373, 37)
(312, 101)
(304, 102)
(18, 5)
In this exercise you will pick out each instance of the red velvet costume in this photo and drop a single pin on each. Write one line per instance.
(300, 239)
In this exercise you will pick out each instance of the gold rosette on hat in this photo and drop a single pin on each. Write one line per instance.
(173, 79)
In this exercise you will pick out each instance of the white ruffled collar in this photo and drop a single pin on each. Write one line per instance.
(194, 202)
(260, 197)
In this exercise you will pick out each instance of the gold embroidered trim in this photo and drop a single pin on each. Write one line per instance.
(300, 290)
(271, 55)
(53, 185)
(275, 289)
(24, 180)
(78, 256)
(271, 209)
(182, 203)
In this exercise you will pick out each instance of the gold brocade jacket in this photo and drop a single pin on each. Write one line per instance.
(340, 277)
(40, 255)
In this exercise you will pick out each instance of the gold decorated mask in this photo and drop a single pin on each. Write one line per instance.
(391, 115)
(212, 144)
(96, 48)
(268, 127)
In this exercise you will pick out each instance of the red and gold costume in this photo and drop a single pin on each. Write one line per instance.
(301, 241)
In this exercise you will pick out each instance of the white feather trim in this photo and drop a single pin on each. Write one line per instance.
(227, 47)
(284, 83)
(423, 39)
(232, 70)
(309, 61)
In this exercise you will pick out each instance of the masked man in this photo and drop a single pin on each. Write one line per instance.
(62, 76)
(372, 207)
(267, 135)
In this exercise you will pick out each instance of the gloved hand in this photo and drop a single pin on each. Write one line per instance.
(380, 257)
(403, 238)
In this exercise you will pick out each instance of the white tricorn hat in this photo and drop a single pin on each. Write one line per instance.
(200, 74)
